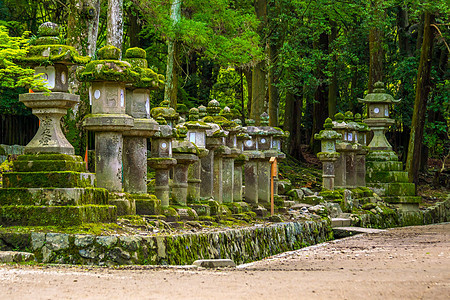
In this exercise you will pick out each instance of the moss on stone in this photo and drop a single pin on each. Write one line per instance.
(62, 179)
(135, 52)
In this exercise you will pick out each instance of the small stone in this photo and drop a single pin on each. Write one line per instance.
(88, 253)
(130, 242)
(215, 263)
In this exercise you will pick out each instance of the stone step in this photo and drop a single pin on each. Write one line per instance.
(393, 189)
(15, 257)
(27, 215)
(53, 196)
(387, 176)
(49, 165)
(340, 222)
(214, 263)
(61, 179)
(341, 232)
(382, 166)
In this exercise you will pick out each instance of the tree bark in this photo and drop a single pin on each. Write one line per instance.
(134, 28)
(114, 33)
(423, 87)
(274, 98)
(171, 87)
(375, 46)
(333, 86)
(249, 78)
(82, 32)
(259, 73)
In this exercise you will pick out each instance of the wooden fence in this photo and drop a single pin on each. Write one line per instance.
(17, 130)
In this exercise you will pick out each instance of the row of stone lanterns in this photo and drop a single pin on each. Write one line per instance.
(344, 153)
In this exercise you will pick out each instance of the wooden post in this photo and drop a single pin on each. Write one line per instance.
(273, 173)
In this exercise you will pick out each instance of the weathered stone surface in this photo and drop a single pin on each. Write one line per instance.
(83, 240)
(14, 256)
(296, 194)
(37, 240)
(130, 243)
(106, 241)
(55, 241)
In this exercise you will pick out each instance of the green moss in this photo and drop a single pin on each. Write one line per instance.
(108, 70)
(135, 52)
(109, 52)
(62, 179)
(47, 40)
(57, 53)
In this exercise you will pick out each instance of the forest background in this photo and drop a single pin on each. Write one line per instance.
(299, 61)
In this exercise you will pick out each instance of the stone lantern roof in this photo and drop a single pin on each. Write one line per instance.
(108, 68)
(165, 111)
(328, 133)
(378, 95)
(193, 122)
(48, 50)
(147, 78)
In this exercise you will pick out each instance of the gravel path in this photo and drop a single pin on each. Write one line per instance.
(402, 263)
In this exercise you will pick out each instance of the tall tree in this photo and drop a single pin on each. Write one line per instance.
(171, 87)
(423, 86)
(376, 44)
(114, 34)
(259, 70)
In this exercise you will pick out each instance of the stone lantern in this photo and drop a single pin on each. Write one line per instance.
(251, 167)
(378, 116)
(239, 162)
(138, 106)
(264, 144)
(361, 138)
(161, 160)
(50, 108)
(196, 134)
(50, 185)
(185, 152)
(108, 76)
(384, 173)
(328, 154)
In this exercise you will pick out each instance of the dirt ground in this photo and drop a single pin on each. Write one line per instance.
(402, 263)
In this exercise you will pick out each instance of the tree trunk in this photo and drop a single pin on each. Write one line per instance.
(258, 92)
(249, 78)
(259, 73)
(333, 86)
(375, 46)
(171, 87)
(423, 87)
(134, 28)
(274, 98)
(82, 32)
(114, 33)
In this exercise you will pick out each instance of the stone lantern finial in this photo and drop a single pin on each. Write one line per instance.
(213, 108)
(264, 119)
(193, 114)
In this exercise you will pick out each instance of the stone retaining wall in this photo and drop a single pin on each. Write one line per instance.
(241, 245)
(438, 213)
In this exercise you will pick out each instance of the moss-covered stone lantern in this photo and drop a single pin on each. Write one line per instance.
(378, 116)
(48, 57)
(328, 154)
(384, 173)
(197, 135)
(135, 139)
(50, 185)
(185, 152)
(161, 160)
(108, 76)
(251, 167)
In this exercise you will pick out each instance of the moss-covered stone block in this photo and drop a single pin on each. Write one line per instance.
(61, 179)
(201, 209)
(26, 215)
(49, 165)
(387, 176)
(213, 207)
(147, 206)
(53, 196)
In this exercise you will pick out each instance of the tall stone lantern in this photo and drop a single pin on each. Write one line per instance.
(108, 76)
(378, 116)
(384, 173)
(196, 134)
(328, 154)
(50, 185)
(138, 106)
(50, 59)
